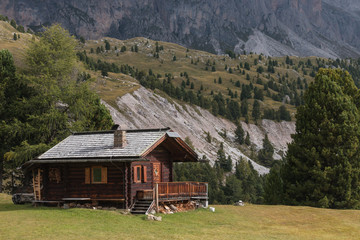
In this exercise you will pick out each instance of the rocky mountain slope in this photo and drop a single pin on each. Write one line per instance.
(326, 28)
(146, 109)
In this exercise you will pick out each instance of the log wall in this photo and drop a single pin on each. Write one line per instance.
(72, 184)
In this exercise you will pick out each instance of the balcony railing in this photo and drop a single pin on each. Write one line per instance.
(181, 190)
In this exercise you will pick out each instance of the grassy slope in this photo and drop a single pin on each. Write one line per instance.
(15, 47)
(144, 60)
(109, 89)
(119, 84)
(228, 222)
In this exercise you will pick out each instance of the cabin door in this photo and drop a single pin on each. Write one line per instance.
(156, 172)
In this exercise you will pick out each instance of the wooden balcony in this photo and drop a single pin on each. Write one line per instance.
(181, 190)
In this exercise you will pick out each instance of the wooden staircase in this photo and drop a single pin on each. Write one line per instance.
(141, 206)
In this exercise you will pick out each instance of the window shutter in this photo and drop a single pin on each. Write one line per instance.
(144, 174)
(104, 175)
(87, 176)
(135, 174)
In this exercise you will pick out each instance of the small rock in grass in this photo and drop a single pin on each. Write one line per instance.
(154, 218)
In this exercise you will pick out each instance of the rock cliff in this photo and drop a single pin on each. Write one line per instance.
(145, 109)
(327, 28)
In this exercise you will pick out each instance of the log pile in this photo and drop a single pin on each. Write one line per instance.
(178, 207)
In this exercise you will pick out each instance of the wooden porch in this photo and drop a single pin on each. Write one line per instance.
(175, 191)
(169, 192)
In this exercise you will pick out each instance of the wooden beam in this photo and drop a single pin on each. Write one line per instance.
(157, 197)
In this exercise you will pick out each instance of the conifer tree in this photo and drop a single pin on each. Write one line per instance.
(107, 45)
(256, 110)
(323, 162)
(240, 134)
(247, 139)
(273, 186)
(47, 103)
(265, 155)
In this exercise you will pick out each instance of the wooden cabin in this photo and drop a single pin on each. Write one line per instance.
(123, 166)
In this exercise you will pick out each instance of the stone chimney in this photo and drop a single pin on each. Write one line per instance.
(119, 138)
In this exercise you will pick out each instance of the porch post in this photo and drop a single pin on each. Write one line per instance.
(157, 197)
(207, 195)
(126, 194)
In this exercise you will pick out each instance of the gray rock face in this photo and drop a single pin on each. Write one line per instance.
(145, 109)
(327, 28)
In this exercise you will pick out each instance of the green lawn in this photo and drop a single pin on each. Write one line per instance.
(228, 222)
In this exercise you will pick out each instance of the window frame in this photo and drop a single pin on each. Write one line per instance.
(137, 178)
(89, 175)
(139, 174)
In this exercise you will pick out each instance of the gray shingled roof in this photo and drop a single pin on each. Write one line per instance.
(101, 145)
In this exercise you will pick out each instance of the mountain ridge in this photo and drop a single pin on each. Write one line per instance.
(324, 28)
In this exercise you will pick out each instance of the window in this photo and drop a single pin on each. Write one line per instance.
(54, 175)
(95, 175)
(140, 174)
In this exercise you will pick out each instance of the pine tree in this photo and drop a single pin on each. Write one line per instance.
(15, 37)
(273, 187)
(244, 108)
(323, 162)
(284, 114)
(13, 23)
(247, 139)
(256, 110)
(107, 45)
(265, 155)
(240, 134)
(82, 39)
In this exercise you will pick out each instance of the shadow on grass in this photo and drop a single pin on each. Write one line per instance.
(6, 207)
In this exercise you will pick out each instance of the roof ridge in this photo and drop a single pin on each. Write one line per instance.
(127, 130)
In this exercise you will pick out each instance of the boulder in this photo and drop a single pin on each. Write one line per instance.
(239, 203)
(154, 218)
(158, 218)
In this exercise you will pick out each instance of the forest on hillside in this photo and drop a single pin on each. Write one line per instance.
(51, 98)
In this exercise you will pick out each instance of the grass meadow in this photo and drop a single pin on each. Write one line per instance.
(227, 222)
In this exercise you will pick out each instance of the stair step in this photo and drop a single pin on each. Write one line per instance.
(138, 212)
(142, 204)
(142, 209)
